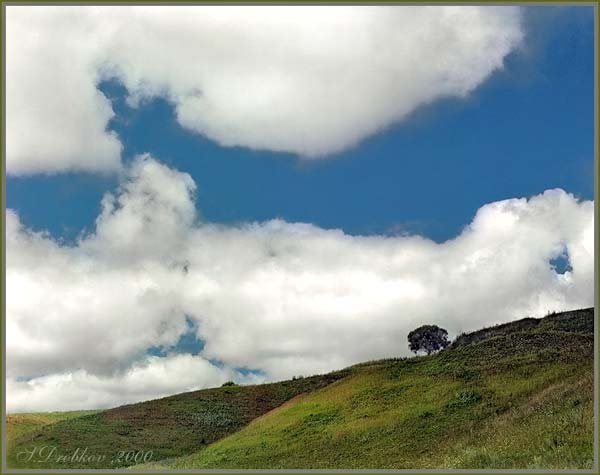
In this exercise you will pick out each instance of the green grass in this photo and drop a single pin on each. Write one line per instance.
(166, 427)
(517, 399)
(512, 396)
(19, 425)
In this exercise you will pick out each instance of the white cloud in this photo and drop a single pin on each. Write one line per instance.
(56, 118)
(286, 298)
(148, 379)
(307, 80)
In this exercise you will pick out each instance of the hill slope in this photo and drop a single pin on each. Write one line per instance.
(17, 425)
(518, 395)
(166, 427)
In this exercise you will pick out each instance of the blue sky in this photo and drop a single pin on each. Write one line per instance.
(397, 123)
(527, 128)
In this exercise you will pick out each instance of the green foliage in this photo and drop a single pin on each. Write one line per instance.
(428, 338)
(466, 397)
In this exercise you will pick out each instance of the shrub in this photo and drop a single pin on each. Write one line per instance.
(464, 398)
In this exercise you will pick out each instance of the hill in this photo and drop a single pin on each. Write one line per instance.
(518, 395)
(18, 425)
(165, 427)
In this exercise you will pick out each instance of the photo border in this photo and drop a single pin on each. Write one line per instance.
(5, 4)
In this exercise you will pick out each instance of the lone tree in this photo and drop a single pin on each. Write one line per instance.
(429, 338)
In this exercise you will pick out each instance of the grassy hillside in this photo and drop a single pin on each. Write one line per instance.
(518, 395)
(18, 425)
(167, 427)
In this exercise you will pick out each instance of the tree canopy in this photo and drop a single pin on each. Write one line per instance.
(428, 338)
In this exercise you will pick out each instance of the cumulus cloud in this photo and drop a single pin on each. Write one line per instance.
(56, 118)
(284, 298)
(302, 79)
(148, 379)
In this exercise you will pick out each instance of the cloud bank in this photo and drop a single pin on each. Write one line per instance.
(307, 80)
(285, 298)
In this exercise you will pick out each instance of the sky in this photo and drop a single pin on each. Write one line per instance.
(201, 194)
